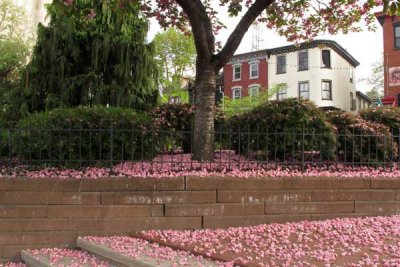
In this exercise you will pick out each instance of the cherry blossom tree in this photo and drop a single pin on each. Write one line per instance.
(295, 19)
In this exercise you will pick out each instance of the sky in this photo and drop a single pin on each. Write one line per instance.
(366, 46)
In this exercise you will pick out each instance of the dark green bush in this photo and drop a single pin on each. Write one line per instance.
(388, 116)
(362, 141)
(282, 130)
(174, 123)
(83, 135)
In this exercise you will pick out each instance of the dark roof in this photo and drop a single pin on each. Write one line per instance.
(362, 95)
(316, 43)
(312, 44)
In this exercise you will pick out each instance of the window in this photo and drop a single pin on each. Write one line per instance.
(254, 92)
(352, 102)
(304, 90)
(253, 70)
(326, 90)
(326, 59)
(237, 72)
(303, 60)
(351, 74)
(282, 92)
(236, 93)
(174, 100)
(281, 64)
(397, 37)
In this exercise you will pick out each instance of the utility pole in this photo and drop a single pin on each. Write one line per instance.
(257, 37)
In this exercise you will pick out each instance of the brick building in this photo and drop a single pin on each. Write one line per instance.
(391, 53)
(246, 74)
(321, 70)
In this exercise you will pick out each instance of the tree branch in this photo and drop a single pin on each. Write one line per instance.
(201, 27)
(238, 33)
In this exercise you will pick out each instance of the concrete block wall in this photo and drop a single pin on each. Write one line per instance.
(54, 212)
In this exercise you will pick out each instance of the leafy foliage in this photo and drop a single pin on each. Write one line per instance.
(175, 123)
(299, 19)
(82, 135)
(282, 130)
(15, 48)
(13, 22)
(386, 115)
(234, 107)
(362, 141)
(176, 58)
(376, 80)
(91, 53)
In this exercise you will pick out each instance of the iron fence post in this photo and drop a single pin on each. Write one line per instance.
(111, 148)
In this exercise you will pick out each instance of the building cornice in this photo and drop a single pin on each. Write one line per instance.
(292, 48)
(313, 44)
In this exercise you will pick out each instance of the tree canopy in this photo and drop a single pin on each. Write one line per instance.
(176, 59)
(15, 38)
(15, 47)
(92, 52)
(376, 80)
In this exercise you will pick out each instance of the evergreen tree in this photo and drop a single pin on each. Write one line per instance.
(92, 52)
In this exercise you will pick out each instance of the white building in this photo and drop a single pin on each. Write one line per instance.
(321, 71)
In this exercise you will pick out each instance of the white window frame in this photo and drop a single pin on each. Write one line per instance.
(277, 64)
(234, 72)
(282, 92)
(309, 93)
(254, 86)
(256, 64)
(298, 60)
(396, 37)
(234, 89)
(330, 90)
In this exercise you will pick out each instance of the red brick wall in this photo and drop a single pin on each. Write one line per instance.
(48, 213)
(391, 55)
(245, 79)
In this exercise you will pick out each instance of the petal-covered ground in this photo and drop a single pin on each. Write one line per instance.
(226, 163)
(137, 248)
(69, 257)
(12, 264)
(373, 241)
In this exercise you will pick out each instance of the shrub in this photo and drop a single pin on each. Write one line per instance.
(83, 135)
(388, 116)
(174, 122)
(362, 141)
(282, 130)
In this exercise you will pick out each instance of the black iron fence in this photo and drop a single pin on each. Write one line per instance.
(147, 148)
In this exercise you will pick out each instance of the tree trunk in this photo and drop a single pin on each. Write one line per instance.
(203, 147)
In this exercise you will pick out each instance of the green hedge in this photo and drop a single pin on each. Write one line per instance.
(388, 116)
(362, 141)
(282, 130)
(174, 123)
(81, 134)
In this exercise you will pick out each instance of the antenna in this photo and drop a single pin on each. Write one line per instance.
(257, 37)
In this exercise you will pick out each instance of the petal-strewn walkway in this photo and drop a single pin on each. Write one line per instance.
(373, 241)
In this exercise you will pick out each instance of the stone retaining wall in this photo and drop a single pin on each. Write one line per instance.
(54, 212)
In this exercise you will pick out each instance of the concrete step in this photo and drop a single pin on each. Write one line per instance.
(62, 257)
(129, 251)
